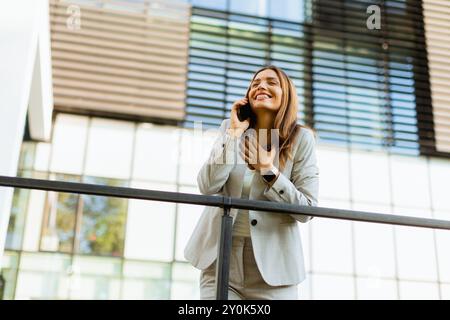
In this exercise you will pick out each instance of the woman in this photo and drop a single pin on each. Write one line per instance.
(267, 258)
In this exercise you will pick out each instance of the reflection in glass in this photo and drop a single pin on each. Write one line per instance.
(103, 222)
(17, 218)
(60, 218)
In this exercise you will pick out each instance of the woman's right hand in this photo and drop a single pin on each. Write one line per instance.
(238, 127)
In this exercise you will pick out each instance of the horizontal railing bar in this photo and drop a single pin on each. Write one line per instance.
(221, 201)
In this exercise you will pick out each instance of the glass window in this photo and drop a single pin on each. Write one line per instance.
(415, 253)
(103, 222)
(27, 155)
(156, 153)
(43, 276)
(150, 227)
(330, 287)
(146, 280)
(17, 218)
(185, 282)
(287, 9)
(445, 291)
(69, 141)
(443, 245)
(371, 185)
(410, 182)
(250, 7)
(110, 148)
(211, 4)
(410, 290)
(187, 217)
(334, 173)
(374, 245)
(95, 278)
(9, 268)
(440, 183)
(58, 233)
(331, 245)
(196, 146)
(304, 288)
(42, 157)
(376, 289)
(35, 211)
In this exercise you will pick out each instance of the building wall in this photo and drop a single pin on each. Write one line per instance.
(143, 258)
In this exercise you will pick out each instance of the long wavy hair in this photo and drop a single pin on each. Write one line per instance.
(286, 118)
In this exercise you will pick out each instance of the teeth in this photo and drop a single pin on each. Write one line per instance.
(262, 96)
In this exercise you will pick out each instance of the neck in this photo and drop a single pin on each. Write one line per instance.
(265, 120)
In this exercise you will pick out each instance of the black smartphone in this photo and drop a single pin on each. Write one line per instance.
(244, 112)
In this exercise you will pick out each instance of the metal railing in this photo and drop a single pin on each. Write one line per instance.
(224, 247)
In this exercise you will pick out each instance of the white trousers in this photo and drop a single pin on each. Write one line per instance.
(245, 280)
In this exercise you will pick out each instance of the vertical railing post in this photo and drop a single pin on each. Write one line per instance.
(224, 255)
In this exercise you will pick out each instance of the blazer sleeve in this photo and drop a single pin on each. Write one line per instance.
(303, 187)
(216, 170)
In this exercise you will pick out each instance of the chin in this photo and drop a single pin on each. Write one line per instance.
(264, 106)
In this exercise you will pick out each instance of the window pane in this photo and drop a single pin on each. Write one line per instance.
(195, 149)
(374, 245)
(376, 289)
(304, 288)
(445, 291)
(331, 245)
(416, 253)
(103, 221)
(440, 183)
(150, 227)
(418, 290)
(185, 282)
(146, 280)
(251, 7)
(110, 148)
(156, 153)
(95, 278)
(59, 223)
(187, 217)
(42, 158)
(443, 245)
(334, 174)
(34, 216)
(43, 276)
(410, 181)
(287, 9)
(18, 215)
(9, 268)
(211, 4)
(327, 287)
(370, 185)
(69, 140)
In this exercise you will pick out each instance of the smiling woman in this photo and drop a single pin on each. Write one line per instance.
(276, 161)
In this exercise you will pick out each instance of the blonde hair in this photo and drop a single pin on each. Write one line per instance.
(286, 118)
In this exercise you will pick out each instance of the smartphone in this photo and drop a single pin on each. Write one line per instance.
(244, 112)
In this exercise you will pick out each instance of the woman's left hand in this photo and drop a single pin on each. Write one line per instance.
(255, 155)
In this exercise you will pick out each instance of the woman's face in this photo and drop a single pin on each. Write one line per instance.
(265, 91)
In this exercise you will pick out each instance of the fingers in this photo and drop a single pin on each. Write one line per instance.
(239, 103)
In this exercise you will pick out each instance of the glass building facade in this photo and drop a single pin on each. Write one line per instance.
(367, 95)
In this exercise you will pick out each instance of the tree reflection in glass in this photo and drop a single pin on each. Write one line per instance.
(103, 221)
(60, 219)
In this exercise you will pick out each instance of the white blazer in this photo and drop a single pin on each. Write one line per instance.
(275, 238)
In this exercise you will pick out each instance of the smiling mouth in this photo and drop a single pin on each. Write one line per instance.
(261, 97)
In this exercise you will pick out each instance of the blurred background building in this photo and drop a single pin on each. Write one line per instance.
(115, 102)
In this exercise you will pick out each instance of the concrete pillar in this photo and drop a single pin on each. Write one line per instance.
(25, 82)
